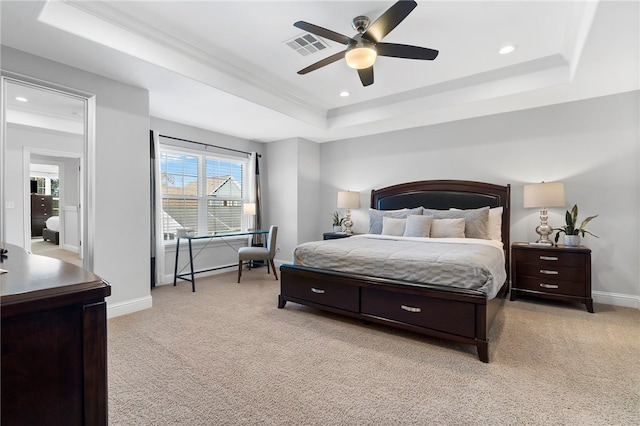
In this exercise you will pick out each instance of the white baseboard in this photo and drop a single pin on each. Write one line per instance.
(129, 307)
(616, 299)
(70, 248)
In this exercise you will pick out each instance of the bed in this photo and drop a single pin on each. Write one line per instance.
(51, 231)
(402, 300)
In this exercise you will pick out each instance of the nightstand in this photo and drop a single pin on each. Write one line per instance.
(556, 272)
(334, 235)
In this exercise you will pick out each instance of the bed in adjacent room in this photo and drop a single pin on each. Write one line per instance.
(51, 231)
(435, 261)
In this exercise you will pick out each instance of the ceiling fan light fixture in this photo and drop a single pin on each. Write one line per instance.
(361, 57)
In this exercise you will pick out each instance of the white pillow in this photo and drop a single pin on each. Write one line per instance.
(393, 226)
(418, 226)
(447, 228)
(495, 224)
(53, 223)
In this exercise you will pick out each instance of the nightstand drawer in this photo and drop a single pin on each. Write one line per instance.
(554, 272)
(549, 258)
(569, 288)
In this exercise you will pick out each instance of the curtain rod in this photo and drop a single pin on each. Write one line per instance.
(207, 144)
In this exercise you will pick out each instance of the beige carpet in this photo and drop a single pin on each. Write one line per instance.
(49, 249)
(226, 355)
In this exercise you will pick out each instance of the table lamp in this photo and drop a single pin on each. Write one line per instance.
(543, 195)
(348, 200)
(249, 209)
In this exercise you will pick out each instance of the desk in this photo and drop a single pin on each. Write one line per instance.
(190, 276)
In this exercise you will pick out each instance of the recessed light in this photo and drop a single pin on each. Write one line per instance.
(21, 99)
(507, 49)
(344, 94)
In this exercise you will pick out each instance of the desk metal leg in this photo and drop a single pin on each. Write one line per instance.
(175, 270)
(193, 280)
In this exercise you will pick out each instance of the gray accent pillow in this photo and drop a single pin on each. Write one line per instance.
(418, 226)
(476, 220)
(375, 217)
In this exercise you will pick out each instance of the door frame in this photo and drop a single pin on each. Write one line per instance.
(88, 159)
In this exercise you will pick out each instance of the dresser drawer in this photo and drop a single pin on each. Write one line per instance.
(551, 272)
(569, 288)
(549, 258)
(324, 292)
(417, 310)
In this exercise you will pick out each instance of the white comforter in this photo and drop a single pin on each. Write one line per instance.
(457, 262)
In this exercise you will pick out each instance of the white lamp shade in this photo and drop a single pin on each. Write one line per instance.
(249, 209)
(348, 200)
(544, 195)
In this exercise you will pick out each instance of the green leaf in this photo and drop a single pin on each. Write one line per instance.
(587, 220)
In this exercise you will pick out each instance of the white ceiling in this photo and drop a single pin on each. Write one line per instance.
(225, 66)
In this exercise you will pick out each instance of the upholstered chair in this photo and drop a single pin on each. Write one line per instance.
(260, 253)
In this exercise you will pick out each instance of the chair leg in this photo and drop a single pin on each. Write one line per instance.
(273, 266)
(239, 270)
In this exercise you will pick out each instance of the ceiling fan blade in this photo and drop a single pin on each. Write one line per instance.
(405, 51)
(366, 76)
(389, 20)
(323, 32)
(326, 61)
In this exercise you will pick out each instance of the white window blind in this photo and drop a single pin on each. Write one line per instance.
(201, 192)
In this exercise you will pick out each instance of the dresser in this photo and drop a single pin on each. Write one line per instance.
(41, 209)
(54, 342)
(557, 272)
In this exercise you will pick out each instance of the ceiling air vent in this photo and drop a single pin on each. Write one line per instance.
(306, 44)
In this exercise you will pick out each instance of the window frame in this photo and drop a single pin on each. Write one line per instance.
(201, 197)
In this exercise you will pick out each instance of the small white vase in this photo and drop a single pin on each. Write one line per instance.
(337, 228)
(572, 240)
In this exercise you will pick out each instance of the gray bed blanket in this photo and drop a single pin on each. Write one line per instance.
(457, 262)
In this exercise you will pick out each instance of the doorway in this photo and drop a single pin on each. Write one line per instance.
(55, 206)
(50, 127)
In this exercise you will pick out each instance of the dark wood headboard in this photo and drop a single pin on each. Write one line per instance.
(446, 194)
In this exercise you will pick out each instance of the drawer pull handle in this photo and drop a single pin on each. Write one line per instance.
(548, 272)
(548, 258)
(410, 308)
(548, 285)
(317, 290)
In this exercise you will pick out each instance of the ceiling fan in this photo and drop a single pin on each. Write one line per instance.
(364, 47)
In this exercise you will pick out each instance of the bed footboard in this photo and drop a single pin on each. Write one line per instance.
(454, 314)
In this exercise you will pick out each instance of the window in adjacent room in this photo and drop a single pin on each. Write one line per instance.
(202, 192)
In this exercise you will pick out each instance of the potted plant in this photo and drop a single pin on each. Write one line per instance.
(337, 222)
(571, 231)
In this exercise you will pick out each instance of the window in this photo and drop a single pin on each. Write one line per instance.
(201, 192)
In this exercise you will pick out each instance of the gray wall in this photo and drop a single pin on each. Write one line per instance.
(592, 146)
(121, 248)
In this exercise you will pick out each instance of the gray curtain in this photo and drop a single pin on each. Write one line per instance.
(258, 239)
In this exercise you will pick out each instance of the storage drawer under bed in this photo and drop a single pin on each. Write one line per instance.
(324, 292)
(419, 310)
